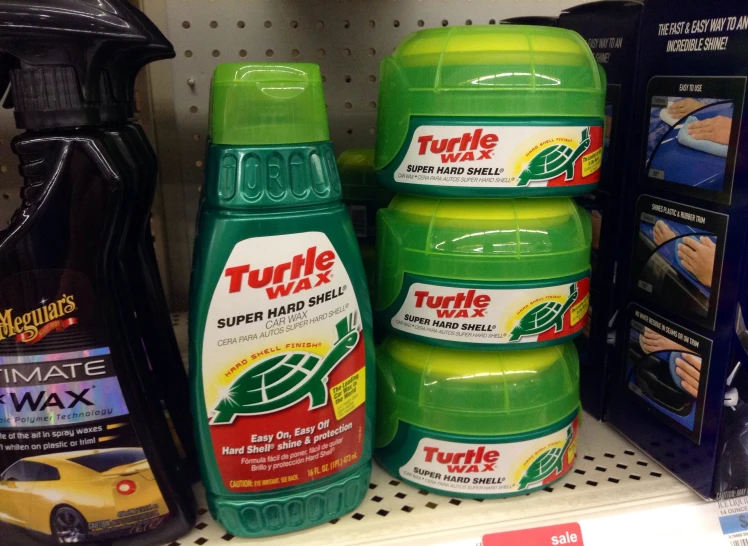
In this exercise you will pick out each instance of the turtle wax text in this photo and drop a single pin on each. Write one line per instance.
(477, 459)
(304, 271)
(470, 146)
(461, 305)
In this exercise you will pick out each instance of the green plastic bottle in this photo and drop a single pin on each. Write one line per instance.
(490, 111)
(476, 423)
(281, 351)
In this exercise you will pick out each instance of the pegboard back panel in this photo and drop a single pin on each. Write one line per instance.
(347, 38)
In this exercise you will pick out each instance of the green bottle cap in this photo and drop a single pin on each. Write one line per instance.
(512, 71)
(494, 240)
(484, 393)
(267, 104)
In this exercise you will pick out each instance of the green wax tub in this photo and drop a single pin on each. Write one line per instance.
(483, 273)
(474, 423)
(490, 111)
(363, 197)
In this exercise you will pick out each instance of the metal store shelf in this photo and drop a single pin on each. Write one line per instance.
(610, 477)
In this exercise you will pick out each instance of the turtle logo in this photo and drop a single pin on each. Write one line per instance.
(284, 380)
(544, 316)
(545, 464)
(554, 161)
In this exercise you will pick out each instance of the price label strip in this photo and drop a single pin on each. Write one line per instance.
(723, 523)
(553, 535)
(733, 518)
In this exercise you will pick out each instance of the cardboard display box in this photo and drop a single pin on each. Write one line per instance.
(611, 29)
(683, 285)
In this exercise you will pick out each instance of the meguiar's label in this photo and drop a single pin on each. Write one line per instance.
(284, 364)
(71, 464)
(492, 467)
(484, 314)
(502, 156)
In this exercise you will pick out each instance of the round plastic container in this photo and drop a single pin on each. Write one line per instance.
(483, 274)
(363, 197)
(476, 423)
(490, 111)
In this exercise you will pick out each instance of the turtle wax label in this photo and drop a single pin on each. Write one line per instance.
(72, 467)
(493, 466)
(502, 156)
(283, 364)
(484, 314)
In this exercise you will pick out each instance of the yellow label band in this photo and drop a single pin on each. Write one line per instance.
(349, 394)
(579, 311)
(592, 162)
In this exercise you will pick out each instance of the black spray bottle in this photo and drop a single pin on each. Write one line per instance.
(86, 455)
(140, 266)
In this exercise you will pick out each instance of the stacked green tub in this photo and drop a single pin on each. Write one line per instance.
(482, 275)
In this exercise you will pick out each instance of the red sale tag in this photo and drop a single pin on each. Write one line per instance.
(553, 535)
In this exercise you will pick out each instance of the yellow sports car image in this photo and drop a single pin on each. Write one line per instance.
(81, 495)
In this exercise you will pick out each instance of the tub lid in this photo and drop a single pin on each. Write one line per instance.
(485, 71)
(491, 240)
(485, 393)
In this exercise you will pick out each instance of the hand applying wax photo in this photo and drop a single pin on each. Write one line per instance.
(688, 369)
(698, 257)
(716, 129)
